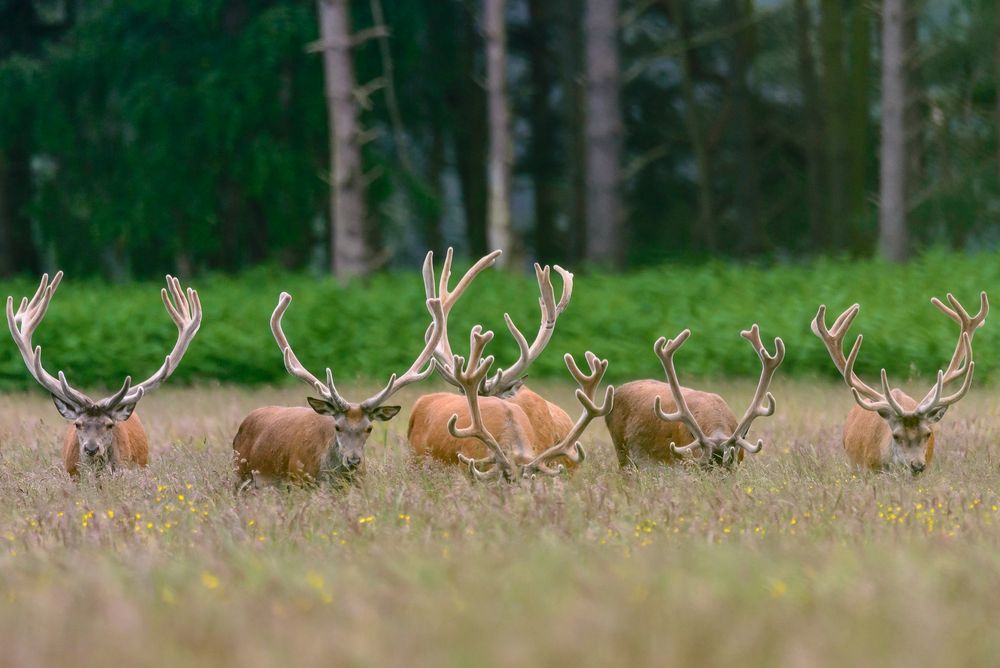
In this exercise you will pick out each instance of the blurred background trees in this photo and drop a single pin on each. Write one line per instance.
(149, 136)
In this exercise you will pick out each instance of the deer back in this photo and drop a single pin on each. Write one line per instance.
(129, 445)
(637, 431)
(867, 436)
(550, 422)
(281, 442)
(429, 436)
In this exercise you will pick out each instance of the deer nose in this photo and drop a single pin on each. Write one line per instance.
(917, 467)
(352, 461)
(90, 450)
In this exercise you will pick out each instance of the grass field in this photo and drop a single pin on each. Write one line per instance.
(793, 560)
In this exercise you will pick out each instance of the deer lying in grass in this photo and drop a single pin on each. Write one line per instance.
(105, 434)
(327, 440)
(550, 423)
(889, 428)
(642, 430)
(509, 446)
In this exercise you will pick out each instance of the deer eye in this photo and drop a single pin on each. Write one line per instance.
(368, 429)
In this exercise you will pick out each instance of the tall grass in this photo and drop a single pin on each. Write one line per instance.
(791, 560)
(99, 333)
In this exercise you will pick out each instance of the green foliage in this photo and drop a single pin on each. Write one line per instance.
(99, 333)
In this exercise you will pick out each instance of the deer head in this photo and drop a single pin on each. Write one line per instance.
(354, 420)
(471, 377)
(910, 428)
(95, 420)
(718, 447)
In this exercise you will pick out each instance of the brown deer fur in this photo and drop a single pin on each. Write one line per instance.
(868, 437)
(508, 422)
(129, 446)
(281, 442)
(637, 434)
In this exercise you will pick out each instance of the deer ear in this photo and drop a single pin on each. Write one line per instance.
(385, 413)
(322, 406)
(68, 411)
(935, 414)
(122, 412)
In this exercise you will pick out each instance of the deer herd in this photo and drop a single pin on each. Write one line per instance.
(493, 423)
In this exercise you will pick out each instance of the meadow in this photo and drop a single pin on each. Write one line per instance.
(791, 560)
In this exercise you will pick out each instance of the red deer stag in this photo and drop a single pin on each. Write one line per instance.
(105, 434)
(509, 446)
(549, 422)
(889, 428)
(327, 440)
(642, 431)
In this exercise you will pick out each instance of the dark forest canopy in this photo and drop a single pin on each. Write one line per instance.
(148, 136)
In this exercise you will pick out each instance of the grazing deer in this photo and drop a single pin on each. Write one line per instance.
(550, 422)
(889, 428)
(327, 440)
(509, 445)
(105, 434)
(642, 430)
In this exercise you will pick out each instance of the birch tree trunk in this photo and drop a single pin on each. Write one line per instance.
(500, 152)
(348, 247)
(605, 244)
(894, 164)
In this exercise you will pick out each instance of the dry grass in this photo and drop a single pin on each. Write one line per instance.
(793, 560)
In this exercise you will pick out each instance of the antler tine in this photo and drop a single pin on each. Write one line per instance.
(833, 339)
(470, 376)
(505, 379)
(665, 350)
(569, 446)
(416, 372)
(968, 324)
(933, 400)
(292, 363)
(184, 309)
(763, 403)
(442, 352)
(22, 326)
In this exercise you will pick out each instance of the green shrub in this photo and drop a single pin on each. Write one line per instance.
(99, 333)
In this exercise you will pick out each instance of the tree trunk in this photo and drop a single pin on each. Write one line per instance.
(18, 253)
(349, 249)
(818, 228)
(8, 262)
(745, 197)
(836, 94)
(605, 244)
(500, 157)
(893, 151)
(857, 121)
(996, 57)
(469, 147)
(705, 235)
(544, 160)
(570, 54)
(433, 211)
